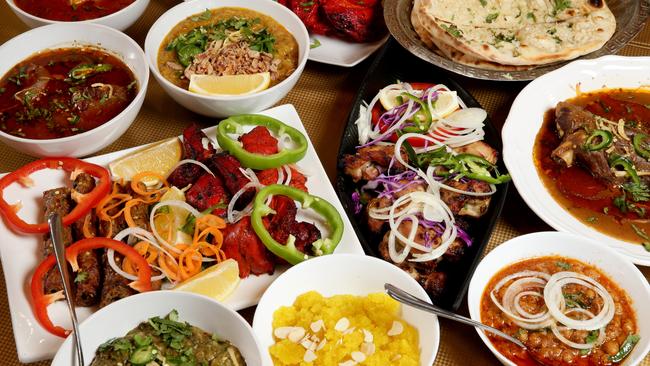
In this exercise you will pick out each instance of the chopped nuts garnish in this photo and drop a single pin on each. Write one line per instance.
(309, 356)
(296, 334)
(358, 356)
(342, 324)
(368, 348)
(348, 363)
(367, 336)
(282, 332)
(321, 344)
(349, 330)
(396, 329)
(317, 326)
(306, 343)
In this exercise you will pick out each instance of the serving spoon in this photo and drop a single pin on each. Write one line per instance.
(411, 300)
(56, 233)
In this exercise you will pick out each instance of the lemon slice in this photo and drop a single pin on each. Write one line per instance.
(229, 84)
(159, 158)
(390, 99)
(176, 219)
(217, 282)
(446, 104)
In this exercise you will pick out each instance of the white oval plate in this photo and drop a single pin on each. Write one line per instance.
(338, 52)
(525, 120)
(345, 274)
(617, 267)
(118, 318)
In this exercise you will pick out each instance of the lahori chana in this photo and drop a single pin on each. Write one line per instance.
(565, 311)
(343, 330)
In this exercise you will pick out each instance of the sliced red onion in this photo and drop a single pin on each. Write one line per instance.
(234, 215)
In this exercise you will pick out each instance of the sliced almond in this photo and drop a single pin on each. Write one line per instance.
(368, 348)
(317, 326)
(358, 356)
(367, 336)
(396, 329)
(321, 344)
(309, 356)
(396, 357)
(347, 363)
(282, 332)
(306, 343)
(349, 330)
(342, 324)
(296, 334)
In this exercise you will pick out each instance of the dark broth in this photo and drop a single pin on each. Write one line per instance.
(40, 100)
(65, 10)
(586, 197)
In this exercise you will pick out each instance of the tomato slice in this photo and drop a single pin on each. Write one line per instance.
(378, 110)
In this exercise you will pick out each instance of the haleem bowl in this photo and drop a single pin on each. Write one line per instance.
(567, 298)
(225, 57)
(332, 309)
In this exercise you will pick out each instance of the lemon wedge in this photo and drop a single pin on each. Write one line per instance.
(159, 157)
(229, 84)
(217, 282)
(445, 105)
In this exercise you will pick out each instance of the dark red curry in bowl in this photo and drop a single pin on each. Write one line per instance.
(72, 10)
(64, 92)
(593, 155)
(565, 311)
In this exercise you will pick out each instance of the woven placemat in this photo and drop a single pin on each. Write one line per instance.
(323, 97)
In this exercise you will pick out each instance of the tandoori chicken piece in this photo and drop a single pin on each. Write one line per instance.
(283, 223)
(207, 192)
(463, 204)
(270, 176)
(196, 146)
(242, 244)
(358, 21)
(370, 161)
(229, 169)
(259, 141)
(311, 15)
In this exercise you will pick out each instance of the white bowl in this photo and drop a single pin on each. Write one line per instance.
(118, 318)
(617, 267)
(345, 274)
(525, 120)
(63, 35)
(121, 19)
(220, 106)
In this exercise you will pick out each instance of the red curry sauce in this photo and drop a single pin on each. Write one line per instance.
(64, 92)
(72, 10)
(543, 343)
(586, 197)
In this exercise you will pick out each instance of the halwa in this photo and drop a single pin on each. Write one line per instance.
(343, 330)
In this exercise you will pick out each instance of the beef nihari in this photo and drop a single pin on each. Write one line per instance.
(424, 173)
(592, 155)
(565, 311)
(64, 92)
(227, 41)
(129, 234)
(72, 10)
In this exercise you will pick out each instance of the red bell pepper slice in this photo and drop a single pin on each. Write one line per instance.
(378, 110)
(22, 174)
(41, 300)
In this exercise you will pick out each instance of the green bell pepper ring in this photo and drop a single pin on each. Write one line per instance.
(422, 126)
(247, 159)
(289, 252)
(605, 137)
(640, 146)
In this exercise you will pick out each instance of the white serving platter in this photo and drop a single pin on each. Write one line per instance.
(525, 120)
(337, 52)
(20, 254)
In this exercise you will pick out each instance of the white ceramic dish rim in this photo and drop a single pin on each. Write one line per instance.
(153, 295)
(372, 47)
(126, 9)
(142, 85)
(153, 64)
(41, 345)
(518, 150)
(475, 294)
(394, 270)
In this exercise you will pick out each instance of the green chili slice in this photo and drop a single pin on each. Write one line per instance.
(626, 348)
(626, 165)
(424, 110)
(641, 146)
(593, 143)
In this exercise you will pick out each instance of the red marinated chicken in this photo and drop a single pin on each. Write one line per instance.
(242, 244)
(208, 191)
(229, 169)
(196, 146)
(259, 141)
(359, 21)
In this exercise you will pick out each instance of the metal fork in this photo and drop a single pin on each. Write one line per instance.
(56, 233)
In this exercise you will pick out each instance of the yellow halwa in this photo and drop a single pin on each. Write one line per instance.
(375, 313)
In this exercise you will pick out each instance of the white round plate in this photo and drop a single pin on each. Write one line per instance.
(525, 120)
(118, 318)
(617, 268)
(344, 274)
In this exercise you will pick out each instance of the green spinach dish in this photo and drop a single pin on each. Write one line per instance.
(168, 342)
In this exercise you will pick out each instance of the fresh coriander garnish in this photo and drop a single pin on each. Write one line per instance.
(560, 5)
(563, 265)
(81, 277)
(491, 17)
(452, 29)
(315, 44)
